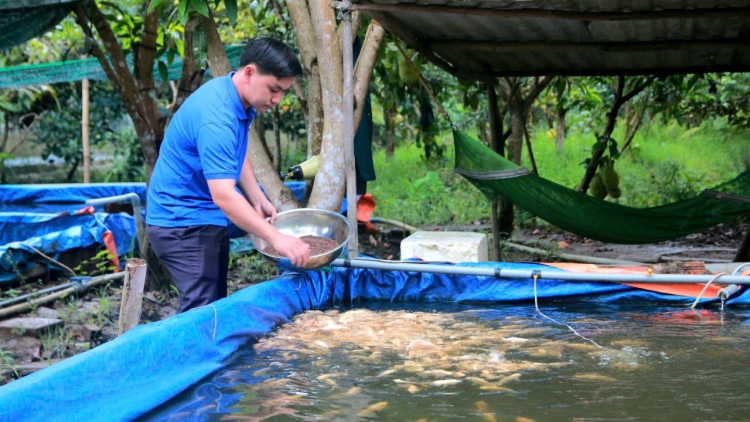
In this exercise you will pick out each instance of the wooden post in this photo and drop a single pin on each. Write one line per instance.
(743, 252)
(496, 132)
(132, 295)
(85, 131)
(351, 175)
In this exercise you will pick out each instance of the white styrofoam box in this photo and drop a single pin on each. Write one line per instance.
(445, 246)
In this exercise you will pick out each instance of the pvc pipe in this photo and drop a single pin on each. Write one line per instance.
(77, 287)
(541, 274)
(731, 289)
(728, 291)
(572, 257)
(37, 293)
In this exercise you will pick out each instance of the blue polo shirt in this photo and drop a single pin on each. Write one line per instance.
(206, 139)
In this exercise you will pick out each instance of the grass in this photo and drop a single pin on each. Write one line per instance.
(411, 190)
(666, 163)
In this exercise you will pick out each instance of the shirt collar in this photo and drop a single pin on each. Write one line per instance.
(239, 109)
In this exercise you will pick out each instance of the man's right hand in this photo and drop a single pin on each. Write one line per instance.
(293, 248)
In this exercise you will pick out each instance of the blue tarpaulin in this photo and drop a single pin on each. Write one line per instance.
(43, 217)
(133, 374)
(66, 193)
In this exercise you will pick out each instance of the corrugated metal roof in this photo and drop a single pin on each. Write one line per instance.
(483, 39)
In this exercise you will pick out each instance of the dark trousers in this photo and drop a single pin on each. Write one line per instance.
(198, 259)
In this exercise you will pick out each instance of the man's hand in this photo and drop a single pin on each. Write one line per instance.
(266, 209)
(293, 248)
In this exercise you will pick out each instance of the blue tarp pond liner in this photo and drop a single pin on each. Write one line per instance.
(48, 218)
(129, 376)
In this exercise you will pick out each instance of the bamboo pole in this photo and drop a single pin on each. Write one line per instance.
(85, 131)
(77, 288)
(496, 132)
(351, 175)
(132, 295)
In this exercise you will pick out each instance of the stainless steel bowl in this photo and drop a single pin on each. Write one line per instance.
(309, 222)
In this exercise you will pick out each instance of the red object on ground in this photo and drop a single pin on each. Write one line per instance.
(365, 207)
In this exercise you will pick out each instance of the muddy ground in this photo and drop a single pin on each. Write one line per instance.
(91, 319)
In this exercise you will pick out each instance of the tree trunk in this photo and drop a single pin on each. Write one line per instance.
(390, 129)
(620, 99)
(217, 55)
(560, 129)
(72, 172)
(280, 195)
(330, 182)
(517, 128)
(277, 139)
(743, 252)
(259, 125)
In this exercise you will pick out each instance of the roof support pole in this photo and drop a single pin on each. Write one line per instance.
(496, 131)
(85, 131)
(351, 175)
(743, 252)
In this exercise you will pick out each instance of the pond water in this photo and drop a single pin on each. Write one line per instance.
(439, 362)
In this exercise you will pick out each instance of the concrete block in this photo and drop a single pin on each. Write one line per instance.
(445, 246)
(28, 326)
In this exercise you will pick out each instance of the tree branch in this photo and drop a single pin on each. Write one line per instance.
(363, 69)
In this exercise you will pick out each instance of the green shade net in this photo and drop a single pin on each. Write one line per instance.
(22, 20)
(591, 217)
(76, 70)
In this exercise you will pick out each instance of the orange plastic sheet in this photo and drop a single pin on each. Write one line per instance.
(679, 289)
(365, 207)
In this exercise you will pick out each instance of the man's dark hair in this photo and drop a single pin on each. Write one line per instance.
(272, 57)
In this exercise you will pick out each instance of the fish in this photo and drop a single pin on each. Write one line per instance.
(334, 385)
(420, 344)
(331, 327)
(354, 391)
(496, 388)
(509, 378)
(594, 377)
(373, 409)
(439, 373)
(516, 339)
(331, 375)
(412, 388)
(479, 381)
(387, 372)
(261, 372)
(443, 383)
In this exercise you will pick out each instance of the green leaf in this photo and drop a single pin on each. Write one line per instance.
(231, 6)
(182, 11)
(154, 4)
(163, 71)
(599, 146)
(613, 152)
(180, 47)
(200, 6)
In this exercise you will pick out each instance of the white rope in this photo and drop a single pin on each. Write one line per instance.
(213, 336)
(716, 277)
(536, 304)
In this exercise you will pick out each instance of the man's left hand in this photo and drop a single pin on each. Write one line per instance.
(266, 209)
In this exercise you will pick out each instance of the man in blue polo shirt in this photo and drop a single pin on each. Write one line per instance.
(202, 161)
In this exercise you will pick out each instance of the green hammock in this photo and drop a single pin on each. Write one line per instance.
(591, 217)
